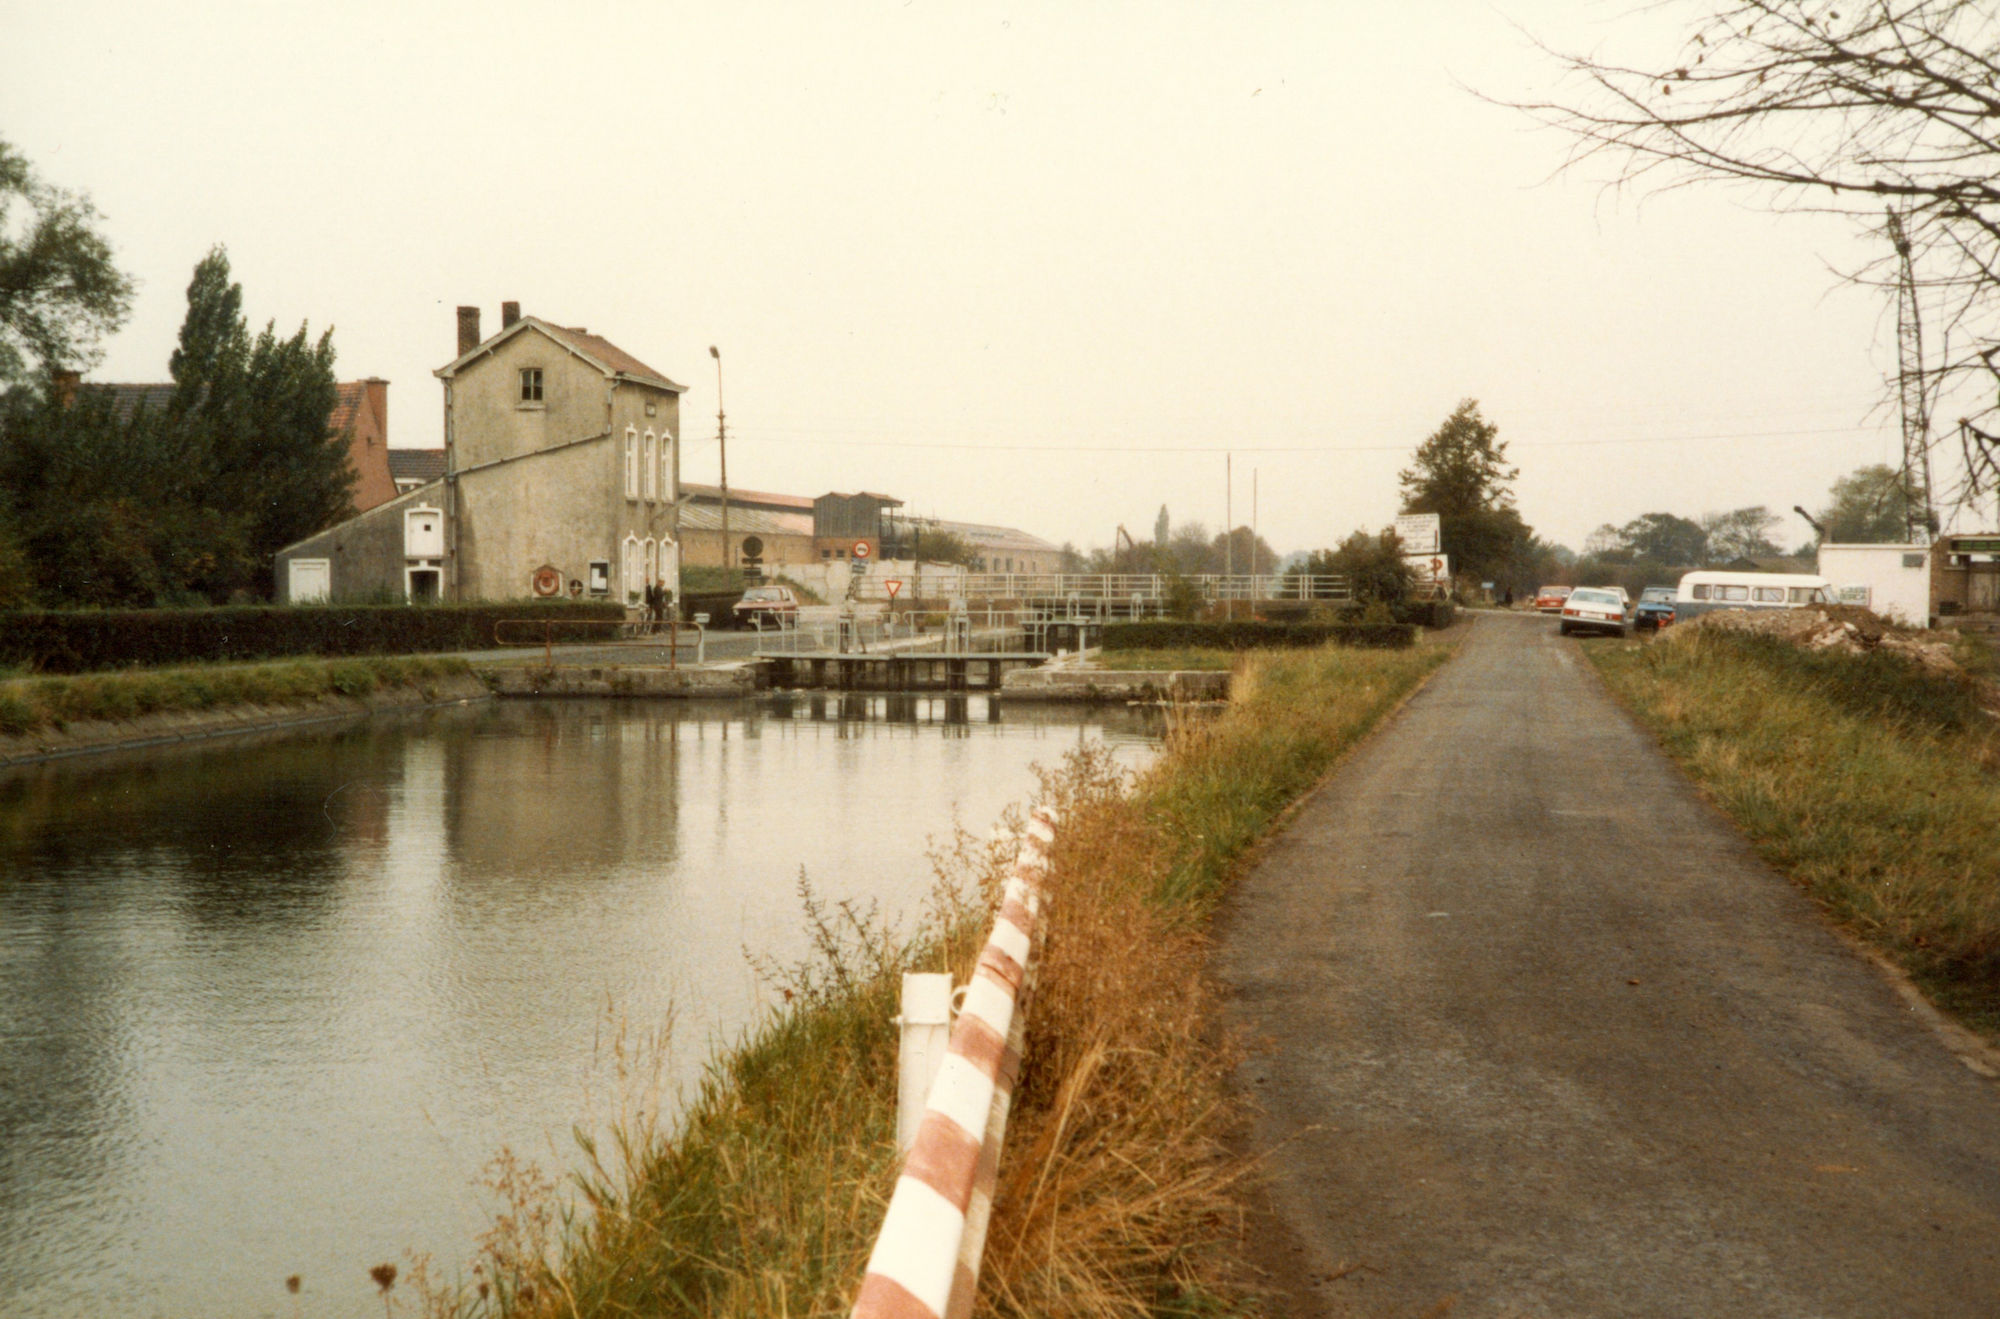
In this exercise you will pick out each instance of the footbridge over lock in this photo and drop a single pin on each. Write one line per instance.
(1102, 595)
(958, 649)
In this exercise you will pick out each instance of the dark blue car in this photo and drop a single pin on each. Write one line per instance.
(1655, 609)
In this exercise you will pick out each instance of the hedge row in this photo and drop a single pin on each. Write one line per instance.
(65, 641)
(1433, 614)
(1248, 635)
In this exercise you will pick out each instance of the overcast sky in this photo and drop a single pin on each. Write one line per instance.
(1040, 265)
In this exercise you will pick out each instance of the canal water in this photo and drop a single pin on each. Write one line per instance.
(270, 1008)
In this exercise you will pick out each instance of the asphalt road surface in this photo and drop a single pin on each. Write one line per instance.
(1536, 1034)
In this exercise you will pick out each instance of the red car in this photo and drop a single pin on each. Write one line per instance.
(1550, 598)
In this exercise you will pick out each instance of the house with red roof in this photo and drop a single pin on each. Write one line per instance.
(561, 467)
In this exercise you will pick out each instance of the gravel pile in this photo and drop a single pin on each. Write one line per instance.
(1838, 627)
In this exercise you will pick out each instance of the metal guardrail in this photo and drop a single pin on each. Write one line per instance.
(1147, 588)
(824, 630)
(926, 1258)
(628, 631)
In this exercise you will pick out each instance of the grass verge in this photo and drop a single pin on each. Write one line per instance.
(31, 705)
(1165, 661)
(1117, 1195)
(1874, 785)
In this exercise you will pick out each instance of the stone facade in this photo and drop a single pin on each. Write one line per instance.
(561, 468)
(561, 451)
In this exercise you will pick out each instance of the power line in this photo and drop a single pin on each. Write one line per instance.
(1008, 446)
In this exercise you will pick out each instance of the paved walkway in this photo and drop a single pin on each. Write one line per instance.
(1536, 1034)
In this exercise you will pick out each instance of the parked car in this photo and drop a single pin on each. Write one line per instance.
(765, 606)
(1656, 608)
(1550, 598)
(1594, 609)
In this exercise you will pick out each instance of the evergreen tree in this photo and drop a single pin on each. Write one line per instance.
(256, 415)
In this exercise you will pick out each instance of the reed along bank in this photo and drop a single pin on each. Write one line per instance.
(1118, 1195)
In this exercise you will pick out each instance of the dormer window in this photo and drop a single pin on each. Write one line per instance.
(531, 384)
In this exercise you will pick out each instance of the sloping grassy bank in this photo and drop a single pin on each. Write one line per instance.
(1117, 1197)
(32, 705)
(1872, 784)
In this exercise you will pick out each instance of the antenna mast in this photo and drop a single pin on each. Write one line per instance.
(1919, 522)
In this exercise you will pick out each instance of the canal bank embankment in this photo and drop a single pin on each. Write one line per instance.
(48, 718)
(1118, 1194)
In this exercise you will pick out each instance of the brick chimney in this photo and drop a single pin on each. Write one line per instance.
(378, 403)
(509, 313)
(64, 386)
(468, 329)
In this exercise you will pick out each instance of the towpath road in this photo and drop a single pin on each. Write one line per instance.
(1536, 1034)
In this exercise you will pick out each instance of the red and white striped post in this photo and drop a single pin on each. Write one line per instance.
(926, 1261)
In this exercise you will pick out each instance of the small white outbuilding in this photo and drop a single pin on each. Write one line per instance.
(1892, 580)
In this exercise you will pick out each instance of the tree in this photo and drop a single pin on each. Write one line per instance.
(1868, 506)
(1243, 551)
(1460, 473)
(934, 545)
(1664, 538)
(1845, 106)
(109, 511)
(1373, 566)
(256, 416)
(59, 291)
(1741, 533)
(1189, 551)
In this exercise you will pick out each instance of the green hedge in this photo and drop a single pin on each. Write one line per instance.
(1248, 635)
(79, 641)
(1433, 614)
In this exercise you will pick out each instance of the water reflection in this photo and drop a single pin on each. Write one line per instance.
(267, 1009)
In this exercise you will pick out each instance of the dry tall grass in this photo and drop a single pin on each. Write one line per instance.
(1117, 1196)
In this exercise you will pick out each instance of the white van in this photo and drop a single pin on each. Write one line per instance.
(1700, 592)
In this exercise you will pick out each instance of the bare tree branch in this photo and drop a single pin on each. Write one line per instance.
(1840, 106)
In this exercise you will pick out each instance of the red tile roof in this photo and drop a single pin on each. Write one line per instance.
(604, 351)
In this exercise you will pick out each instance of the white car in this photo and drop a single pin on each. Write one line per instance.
(1595, 609)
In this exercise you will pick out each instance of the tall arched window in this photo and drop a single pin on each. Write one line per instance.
(667, 490)
(652, 469)
(652, 557)
(634, 582)
(631, 462)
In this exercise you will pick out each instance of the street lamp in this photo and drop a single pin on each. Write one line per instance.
(722, 443)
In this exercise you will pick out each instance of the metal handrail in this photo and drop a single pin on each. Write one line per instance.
(1147, 590)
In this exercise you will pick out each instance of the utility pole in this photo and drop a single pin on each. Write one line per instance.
(1253, 522)
(722, 443)
(1228, 521)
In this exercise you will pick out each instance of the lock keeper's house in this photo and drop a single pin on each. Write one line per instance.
(561, 471)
